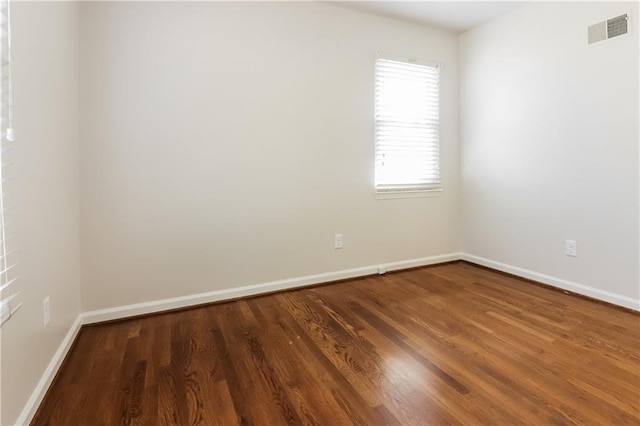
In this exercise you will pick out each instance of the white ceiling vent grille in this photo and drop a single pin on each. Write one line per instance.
(608, 29)
(617, 26)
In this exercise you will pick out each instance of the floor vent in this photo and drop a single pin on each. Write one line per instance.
(608, 29)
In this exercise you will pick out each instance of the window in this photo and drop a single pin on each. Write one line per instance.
(407, 118)
(9, 298)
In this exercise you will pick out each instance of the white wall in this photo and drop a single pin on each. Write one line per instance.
(45, 221)
(224, 144)
(549, 131)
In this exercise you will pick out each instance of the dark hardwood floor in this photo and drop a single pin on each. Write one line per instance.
(450, 344)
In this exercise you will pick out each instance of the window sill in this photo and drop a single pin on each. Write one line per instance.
(392, 195)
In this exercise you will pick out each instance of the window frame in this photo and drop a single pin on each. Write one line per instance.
(10, 300)
(409, 189)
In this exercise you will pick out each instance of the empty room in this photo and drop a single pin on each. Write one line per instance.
(317, 212)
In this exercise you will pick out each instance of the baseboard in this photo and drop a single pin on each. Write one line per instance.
(49, 374)
(256, 289)
(215, 296)
(584, 290)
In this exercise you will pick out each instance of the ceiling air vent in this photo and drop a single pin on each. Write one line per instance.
(610, 28)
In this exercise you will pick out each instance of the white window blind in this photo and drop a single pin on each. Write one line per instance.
(9, 297)
(407, 119)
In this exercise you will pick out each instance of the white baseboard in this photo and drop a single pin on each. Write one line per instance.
(49, 374)
(30, 408)
(215, 296)
(251, 290)
(584, 290)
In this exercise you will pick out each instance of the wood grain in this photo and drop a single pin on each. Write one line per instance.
(448, 344)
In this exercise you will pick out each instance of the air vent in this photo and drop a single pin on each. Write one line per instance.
(598, 32)
(608, 29)
(617, 26)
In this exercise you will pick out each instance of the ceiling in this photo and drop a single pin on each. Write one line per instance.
(456, 16)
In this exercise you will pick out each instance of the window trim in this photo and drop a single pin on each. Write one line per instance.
(10, 300)
(420, 193)
(407, 190)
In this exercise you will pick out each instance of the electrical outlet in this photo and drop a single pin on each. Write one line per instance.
(337, 241)
(46, 312)
(570, 248)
